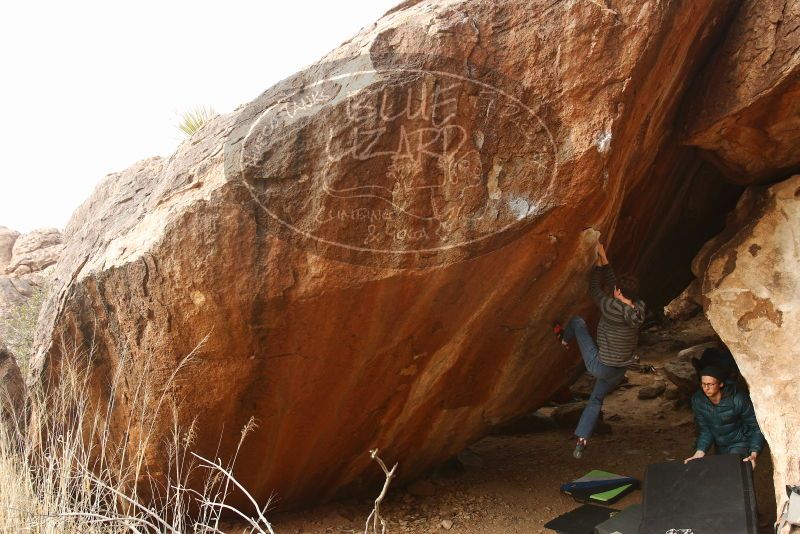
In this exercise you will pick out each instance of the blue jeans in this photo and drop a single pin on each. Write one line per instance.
(607, 377)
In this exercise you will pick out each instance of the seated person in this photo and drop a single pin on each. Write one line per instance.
(725, 418)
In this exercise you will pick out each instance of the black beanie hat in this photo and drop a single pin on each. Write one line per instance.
(712, 371)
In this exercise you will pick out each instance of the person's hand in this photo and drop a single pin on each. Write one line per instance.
(622, 298)
(751, 459)
(695, 456)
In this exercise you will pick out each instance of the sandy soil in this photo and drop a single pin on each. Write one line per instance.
(510, 483)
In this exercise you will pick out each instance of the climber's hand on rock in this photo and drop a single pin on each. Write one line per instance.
(602, 259)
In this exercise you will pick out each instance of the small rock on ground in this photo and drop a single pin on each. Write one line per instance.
(652, 391)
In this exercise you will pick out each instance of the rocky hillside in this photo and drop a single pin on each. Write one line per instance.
(26, 263)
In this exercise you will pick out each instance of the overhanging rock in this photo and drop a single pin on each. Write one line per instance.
(373, 249)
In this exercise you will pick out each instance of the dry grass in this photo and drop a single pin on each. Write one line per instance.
(61, 471)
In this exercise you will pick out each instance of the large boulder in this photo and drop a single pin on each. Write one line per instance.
(7, 239)
(31, 258)
(370, 253)
(685, 305)
(35, 251)
(745, 112)
(751, 289)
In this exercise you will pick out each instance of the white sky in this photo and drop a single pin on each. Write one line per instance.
(88, 88)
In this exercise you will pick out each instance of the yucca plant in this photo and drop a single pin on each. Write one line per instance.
(194, 119)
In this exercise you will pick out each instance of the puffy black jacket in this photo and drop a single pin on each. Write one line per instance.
(730, 424)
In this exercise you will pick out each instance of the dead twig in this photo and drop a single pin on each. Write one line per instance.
(375, 514)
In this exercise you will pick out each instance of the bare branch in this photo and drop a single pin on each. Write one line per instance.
(375, 514)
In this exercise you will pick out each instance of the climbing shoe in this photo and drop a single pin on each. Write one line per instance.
(558, 331)
(580, 446)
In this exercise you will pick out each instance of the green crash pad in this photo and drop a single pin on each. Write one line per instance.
(600, 487)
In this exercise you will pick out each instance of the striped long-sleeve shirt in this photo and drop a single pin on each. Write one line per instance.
(618, 330)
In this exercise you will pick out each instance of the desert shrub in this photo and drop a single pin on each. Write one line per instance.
(20, 326)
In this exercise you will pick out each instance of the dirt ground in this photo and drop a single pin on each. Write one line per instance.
(507, 484)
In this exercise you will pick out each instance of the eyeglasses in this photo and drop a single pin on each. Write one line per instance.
(707, 385)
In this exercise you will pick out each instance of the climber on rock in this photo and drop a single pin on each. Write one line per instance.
(725, 418)
(621, 315)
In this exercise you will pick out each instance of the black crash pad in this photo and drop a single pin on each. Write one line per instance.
(625, 522)
(712, 495)
(581, 520)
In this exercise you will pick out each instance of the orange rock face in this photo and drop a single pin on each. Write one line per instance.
(374, 249)
(746, 114)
